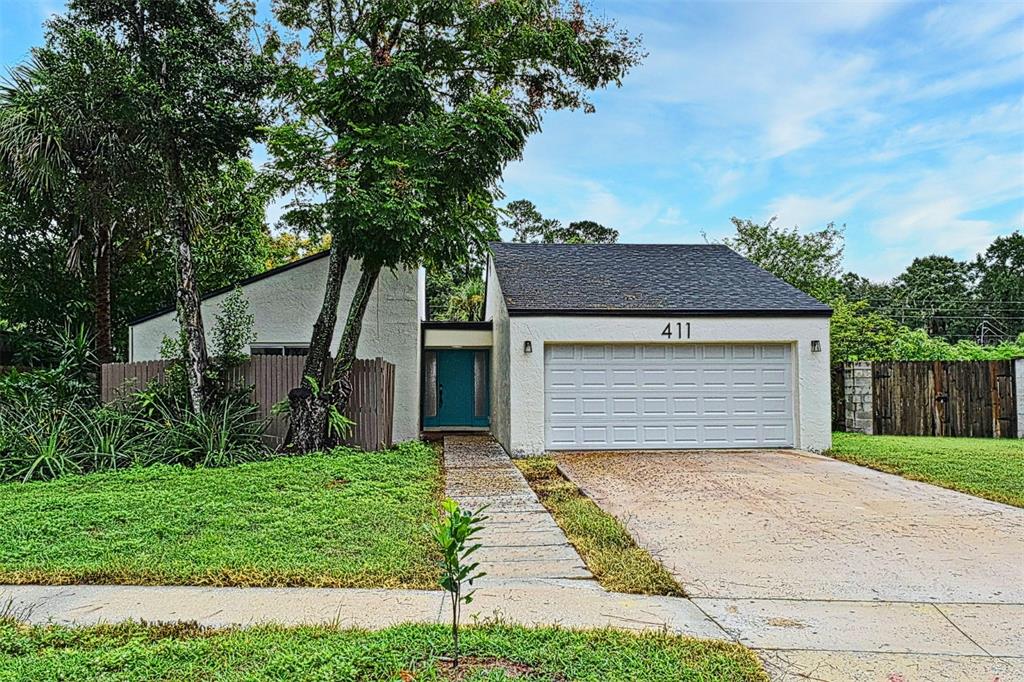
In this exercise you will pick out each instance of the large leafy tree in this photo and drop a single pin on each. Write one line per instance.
(41, 295)
(810, 261)
(1000, 283)
(69, 142)
(197, 87)
(527, 225)
(400, 117)
(934, 294)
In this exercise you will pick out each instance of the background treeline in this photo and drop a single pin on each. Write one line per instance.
(938, 308)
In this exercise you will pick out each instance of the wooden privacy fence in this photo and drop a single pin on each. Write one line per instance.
(371, 405)
(973, 399)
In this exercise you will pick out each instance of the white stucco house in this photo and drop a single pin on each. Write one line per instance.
(582, 347)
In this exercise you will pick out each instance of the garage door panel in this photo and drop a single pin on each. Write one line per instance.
(714, 406)
(668, 396)
(684, 352)
(654, 377)
(560, 407)
(685, 378)
(746, 406)
(626, 435)
(624, 353)
(625, 407)
(717, 377)
(654, 435)
(777, 434)
(655, 352)
(683, 406)
(624, 378)
(686, 436)
(776, 377)
(775, 405)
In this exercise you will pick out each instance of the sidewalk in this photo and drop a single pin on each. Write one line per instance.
(523, 602)
(835, 641)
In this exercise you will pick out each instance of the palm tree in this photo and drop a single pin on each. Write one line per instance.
(466, 301)
(67, 142)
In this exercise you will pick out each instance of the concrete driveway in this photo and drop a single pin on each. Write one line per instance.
(827, 567)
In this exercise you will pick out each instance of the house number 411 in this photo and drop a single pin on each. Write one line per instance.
(677, 331)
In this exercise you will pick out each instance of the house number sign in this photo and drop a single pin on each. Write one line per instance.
(678, 330)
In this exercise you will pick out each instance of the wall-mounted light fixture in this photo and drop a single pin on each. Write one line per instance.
(815, 346)
(527, 346)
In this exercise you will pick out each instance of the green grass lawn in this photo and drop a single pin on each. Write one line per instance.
(344, 519)
(992, 468)
(604, 545)
(410, 652)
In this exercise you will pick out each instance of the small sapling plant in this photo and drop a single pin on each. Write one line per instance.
(454, 532)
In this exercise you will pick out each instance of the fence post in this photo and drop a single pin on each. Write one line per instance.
(1018, 388)
(859, 397)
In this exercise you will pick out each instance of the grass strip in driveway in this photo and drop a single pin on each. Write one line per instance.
(992, 468)
(605, 546)
(340, 519)
(131, 652)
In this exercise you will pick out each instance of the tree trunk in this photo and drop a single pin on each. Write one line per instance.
(307, 424)
(342, 384)
(190, 315)
(102, 296)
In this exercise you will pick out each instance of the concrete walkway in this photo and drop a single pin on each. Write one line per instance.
(520, 539)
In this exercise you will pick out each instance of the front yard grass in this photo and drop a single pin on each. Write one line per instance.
(339, 519)
(992, 468)
(410, 652)
(604, 545)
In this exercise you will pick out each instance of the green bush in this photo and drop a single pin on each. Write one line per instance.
(52, 423)
(859, 333)
(228, 432)
(42, 442)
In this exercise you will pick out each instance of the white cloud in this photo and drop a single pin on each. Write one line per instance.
(811, 213)
(938, 212)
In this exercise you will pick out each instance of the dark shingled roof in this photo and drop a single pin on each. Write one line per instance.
(636, 279)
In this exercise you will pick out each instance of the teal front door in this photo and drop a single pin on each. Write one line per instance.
(456, 391)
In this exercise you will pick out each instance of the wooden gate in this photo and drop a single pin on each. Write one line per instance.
(974, 399)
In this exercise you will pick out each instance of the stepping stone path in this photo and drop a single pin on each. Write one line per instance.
(520, 539)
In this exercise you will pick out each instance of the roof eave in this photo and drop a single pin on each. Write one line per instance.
(632, 312)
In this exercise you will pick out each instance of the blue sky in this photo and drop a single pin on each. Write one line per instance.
(905, 121)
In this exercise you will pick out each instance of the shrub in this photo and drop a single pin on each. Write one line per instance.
(226, 433)
(51, 422)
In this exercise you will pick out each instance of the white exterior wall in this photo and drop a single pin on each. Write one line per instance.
(285, 307)
(520, 427)
(496, 311)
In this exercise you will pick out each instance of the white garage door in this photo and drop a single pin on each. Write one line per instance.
(668, 396)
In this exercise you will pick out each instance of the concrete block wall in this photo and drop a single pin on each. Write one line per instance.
(858, 397)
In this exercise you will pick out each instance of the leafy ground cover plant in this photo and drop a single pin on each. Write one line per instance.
(187, 652)
(346, 518)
